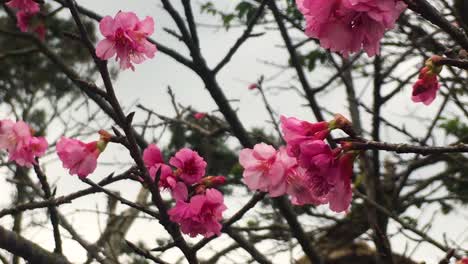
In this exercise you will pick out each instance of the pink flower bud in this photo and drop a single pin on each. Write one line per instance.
(253, 86)
(199, 115)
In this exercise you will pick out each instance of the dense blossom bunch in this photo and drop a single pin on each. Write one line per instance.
(347, 26)
(17, 138)
(426, 87)
(79, 157)
(26, 16)
(199, 206)
(308, 170)
(125, 36)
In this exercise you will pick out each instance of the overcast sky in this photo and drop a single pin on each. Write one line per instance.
(147, 85)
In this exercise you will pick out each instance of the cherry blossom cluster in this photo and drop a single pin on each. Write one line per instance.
(347, 26)
(27, 16)
(307, 169)
(199, 206)
(426, 87)
(18, 140)
(125, 36)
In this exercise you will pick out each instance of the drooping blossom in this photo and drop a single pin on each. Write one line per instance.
(264, 169)
(23, 18)
(426, 87)
(154, 162)
(190, 166)
(125, 36)
(297, 131)
(26, 23)
(319, 161)
(29, 6)
(341, 194)
(299, 182)
(199, 115)
(23, 148)
(79, 157)
(347, 26)
(261, 167)
(201, 215)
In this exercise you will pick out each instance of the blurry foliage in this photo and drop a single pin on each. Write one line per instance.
(457, 128)
(311, 59)
(27, 78)
(242, 13)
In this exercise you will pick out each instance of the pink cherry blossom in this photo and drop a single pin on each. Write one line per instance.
(154, 162)
(199, 116)
(125, 35)
(23, 148)
(79, 157)
(341, 194)
(26, 154)
(319, 160)
(202, 215)
(264, 169)
(190, 166)
(297, 131)
(426, 87)
(28, 6)
(299, 182)
(347, 26)
(13, 134)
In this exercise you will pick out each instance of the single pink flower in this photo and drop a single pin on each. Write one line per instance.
(190, 166)
(264, 169)
(297, 131)
(22, 147)
(13, 134)
(79, 157)
(26, 154)
(125, 35)
(28, 6)
(347, 26)
(341, 194)
(426, 87)
(199, 115)
(319, 160)
(202, 215)
(25, 24)
(153, 159)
